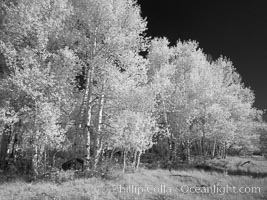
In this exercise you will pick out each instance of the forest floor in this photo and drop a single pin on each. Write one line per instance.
(155, 184)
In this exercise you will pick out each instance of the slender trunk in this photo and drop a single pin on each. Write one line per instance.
(4, 147)
(203, 147)
(86, 113)
(171, 146)
(217, 151)
(175, 151)
(54, 159)
(121, 157)
(98, 137)
(220, 151)
(98, 155)
(45, 163)
(35, 160)
(196, 147)
(124, 161)
(169, 152)
(202, 144)
(112, 154)
(13, 145)
(138, 160)
(207, 149)
(213, 149)
(135, 159)
(88, 116)
(168, 132)
(34, 156)
(200, 147)
(225, 150)
(188, 153)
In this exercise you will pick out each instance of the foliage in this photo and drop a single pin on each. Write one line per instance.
(198, 98)
(134, 130)
(73, 82)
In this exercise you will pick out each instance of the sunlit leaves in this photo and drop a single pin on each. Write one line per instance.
(193, 89)
(134, 130)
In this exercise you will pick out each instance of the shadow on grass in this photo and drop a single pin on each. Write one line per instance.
(236, 172)
(214, 168)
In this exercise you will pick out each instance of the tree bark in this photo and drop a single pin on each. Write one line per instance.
(98, 137)
(13, 143)
(196, 147)
(45, 161)
(214, 148)
(124, 161)
(224, 150)
(138, 160)
(203, 147)
(168, 132)
(175, 151)
(188, 153)
(112, 154)
(4, 147)
(54, 159)
(86, 112)
(35, 160)
(135, 159)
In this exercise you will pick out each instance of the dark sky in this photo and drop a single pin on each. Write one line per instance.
(235, 29)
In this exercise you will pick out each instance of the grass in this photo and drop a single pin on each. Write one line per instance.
(255, 166)
(158, 184)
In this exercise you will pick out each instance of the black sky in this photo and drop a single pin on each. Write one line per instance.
(235, 29)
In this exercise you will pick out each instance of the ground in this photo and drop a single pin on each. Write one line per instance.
(156, 184)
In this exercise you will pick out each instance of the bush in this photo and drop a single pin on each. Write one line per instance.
(60, 176)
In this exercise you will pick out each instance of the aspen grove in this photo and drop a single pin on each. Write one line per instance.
(79, 78)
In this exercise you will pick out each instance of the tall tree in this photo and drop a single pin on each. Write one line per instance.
(39, 90)
(199, 99)
(103, 33)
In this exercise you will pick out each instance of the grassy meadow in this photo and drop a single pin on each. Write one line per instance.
(151, 184)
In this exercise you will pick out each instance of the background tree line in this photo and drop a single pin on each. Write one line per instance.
(75, 83)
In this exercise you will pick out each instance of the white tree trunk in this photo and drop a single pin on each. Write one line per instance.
(168, 131)
(135, 159)
(214, 148)
(138, 160)
(124, 160)
(87, 103)
(98, 137)
(35, 160)
(88, 114)
(188, 153)
(4, 147)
